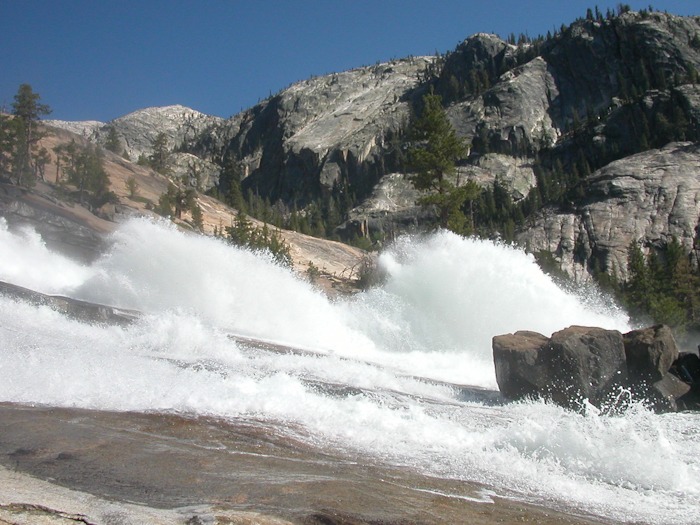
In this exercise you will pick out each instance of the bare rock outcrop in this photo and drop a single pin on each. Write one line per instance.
(63, 227)
(194, 171)
(604, 368)
(650, 352)
(649, 197)
(138, 130)
(326, 131)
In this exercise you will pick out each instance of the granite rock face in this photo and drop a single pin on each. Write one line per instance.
(515, 105)
(138, 129)
(323, 132)
(84, 128)
(516, 114)
(648, 197)
(194, 171)
(61, 227)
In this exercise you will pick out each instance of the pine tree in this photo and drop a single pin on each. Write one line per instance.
(197, 217)
(112, 142)
(434, 150)
(86, 171)
(166, 202)
(7, 141)
(638, 288)
(132, 186)
(27, 111)
(239, 232)
(159, 158)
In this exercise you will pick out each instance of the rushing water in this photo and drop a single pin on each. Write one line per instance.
(398, 352)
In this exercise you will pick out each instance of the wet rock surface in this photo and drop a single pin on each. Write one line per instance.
(580, 365)
(174, 462)
(72, 308)
(64, 227)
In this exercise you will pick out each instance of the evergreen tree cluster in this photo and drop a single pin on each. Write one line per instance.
(158, 159)
(243, 233)
(113, 142)
(318, 218)
(83, 167)
(24, 161)
(177, 200)
(664, 285)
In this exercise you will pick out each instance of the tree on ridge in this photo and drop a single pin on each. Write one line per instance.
(434, 149)
(27, 111)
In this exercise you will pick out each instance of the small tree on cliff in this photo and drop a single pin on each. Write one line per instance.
(112, 142)
(159, 158)
(434, 149)
(27, 111)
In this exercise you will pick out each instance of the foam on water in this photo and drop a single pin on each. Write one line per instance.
(443, 300)
(25, 261)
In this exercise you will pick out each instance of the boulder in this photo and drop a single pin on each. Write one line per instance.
(521, 370)
(587, 363)
(581, 364)
(687, 369)
(650, 352)
(665, 394)
(577, 364)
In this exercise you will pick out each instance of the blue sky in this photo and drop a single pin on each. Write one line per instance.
(101, 59)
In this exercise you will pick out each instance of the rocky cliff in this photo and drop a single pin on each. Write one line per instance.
(138, 130)
(597, 91)
(563, 119)
(648, 197)
(605, 95)
(321, 133)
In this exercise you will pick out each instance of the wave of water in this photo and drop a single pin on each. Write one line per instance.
(394, 347)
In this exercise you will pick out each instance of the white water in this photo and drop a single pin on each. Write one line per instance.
(445, 297)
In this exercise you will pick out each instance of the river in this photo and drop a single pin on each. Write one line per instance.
(399, 376)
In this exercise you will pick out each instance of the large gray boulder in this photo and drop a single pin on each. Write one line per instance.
(522, 368)
(575, 365)
(665, 394)
(586, 363)
(650, 352)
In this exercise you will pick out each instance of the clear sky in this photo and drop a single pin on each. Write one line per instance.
(101, 59)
